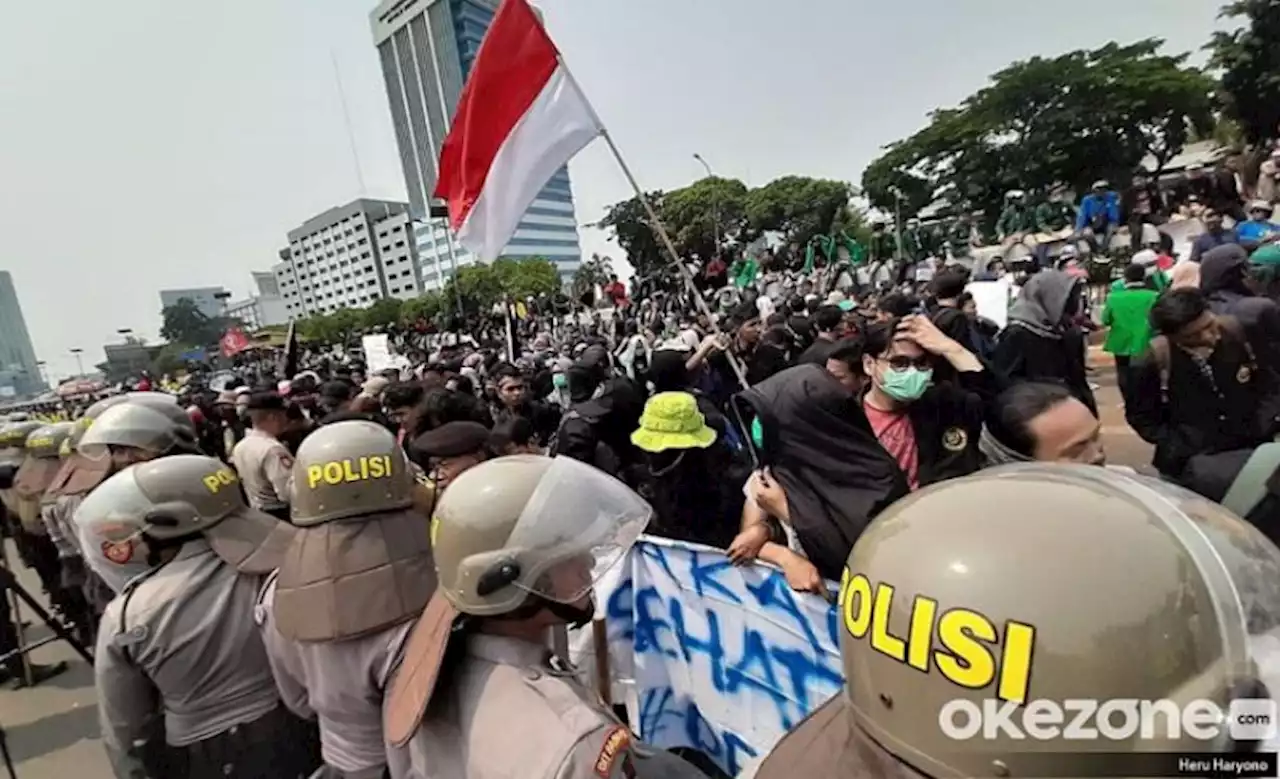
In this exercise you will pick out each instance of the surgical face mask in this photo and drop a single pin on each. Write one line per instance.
(560, 381)
(906, 385)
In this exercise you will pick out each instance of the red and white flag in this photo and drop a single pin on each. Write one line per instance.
(520, 119)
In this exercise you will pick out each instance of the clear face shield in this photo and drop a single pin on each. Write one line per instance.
(1240, 569)
(110, 525)
(129, 424)
(577, 525)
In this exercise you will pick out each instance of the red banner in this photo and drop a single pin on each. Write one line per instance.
(233, 342)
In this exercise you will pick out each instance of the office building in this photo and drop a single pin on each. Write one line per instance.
(19, 369)
(209, 300)
(426, 48)
(348, 257)
(264, 307)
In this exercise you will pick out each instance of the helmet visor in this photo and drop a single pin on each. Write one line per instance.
(578, 524)
(129, 424)
(1240, 568)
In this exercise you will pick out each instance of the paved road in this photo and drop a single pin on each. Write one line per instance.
(53, 731)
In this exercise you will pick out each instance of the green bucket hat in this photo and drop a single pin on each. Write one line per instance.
(672, 420)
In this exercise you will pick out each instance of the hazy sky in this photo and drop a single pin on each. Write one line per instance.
(148, 144)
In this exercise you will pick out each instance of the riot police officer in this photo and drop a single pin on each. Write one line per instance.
(358, 572)
(33, 478)
(188, 556)
(519, 541)
(1148, 593)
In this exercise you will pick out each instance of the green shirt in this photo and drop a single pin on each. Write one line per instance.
(1127, 314)
(1052, 217)
(1016, 219)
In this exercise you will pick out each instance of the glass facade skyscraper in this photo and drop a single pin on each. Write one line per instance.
(19, 370)
(426, 48)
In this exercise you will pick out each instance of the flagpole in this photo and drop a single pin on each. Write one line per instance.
(656, 224)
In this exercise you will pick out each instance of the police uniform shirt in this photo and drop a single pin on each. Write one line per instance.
(509, 710)
(187, 639)
(340, 684)
(266, 470)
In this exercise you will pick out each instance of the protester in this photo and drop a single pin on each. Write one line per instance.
(1215, 235)
(1199, 390)
(1043, 422)
(1127, 315)
(1040, 343)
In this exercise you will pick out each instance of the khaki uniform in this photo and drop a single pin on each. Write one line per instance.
(266, 471)
(182, 636)
(340, 684)
(511, 709)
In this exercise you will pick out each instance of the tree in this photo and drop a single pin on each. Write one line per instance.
(483, 286)
(1071, 119)
(185, 323)
(1249, 59)
(633, 232)
(383, 313)
(709, 210)
(422, 309)
(799, 207)
(346, 322)
(590, 276)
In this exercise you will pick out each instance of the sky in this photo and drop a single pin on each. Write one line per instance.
(149, 144)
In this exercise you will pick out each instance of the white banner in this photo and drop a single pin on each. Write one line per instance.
(721, 659)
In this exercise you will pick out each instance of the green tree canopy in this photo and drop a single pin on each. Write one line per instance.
(481, 286)
(590, 276)
(706, 210)
(424, 308)
(1070, 119)
(383, 313)
(1249, 58)
(799, 207)
(185, 323)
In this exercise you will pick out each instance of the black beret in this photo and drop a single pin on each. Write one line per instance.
(451, 439)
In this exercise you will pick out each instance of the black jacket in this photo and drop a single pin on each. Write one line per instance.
(1022, 355)
(947, 421)
(1199, 418)
(1221, 280)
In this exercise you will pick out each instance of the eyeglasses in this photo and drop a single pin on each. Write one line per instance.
(901, 362)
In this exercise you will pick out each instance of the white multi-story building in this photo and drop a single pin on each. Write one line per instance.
(349, 257)
(265, 307)
(426, 48)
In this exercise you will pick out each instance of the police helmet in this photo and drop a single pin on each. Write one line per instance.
(349, 469)
(527, 525)
(46, 442)
(1091, 585)
(172, 499)
(153, 427)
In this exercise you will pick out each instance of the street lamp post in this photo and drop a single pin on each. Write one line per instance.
(125, 332)
(79, 361)
(715, 202)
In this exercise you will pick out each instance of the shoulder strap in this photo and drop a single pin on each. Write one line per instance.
(1160, 355)
(1235, 328)
(1250, 485)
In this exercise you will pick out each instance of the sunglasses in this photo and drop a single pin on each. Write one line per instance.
(902, 363)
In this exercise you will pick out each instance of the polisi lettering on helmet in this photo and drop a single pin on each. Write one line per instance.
(43, 442)
(974, 652)
(351, 469)
(216, 481)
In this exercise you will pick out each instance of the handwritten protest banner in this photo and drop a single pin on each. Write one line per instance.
(720, 659)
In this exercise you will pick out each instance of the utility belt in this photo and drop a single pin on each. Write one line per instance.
(275, 745)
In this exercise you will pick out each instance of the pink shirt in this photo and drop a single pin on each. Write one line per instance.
(898, 437)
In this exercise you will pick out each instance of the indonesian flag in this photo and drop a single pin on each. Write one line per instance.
(520, 119)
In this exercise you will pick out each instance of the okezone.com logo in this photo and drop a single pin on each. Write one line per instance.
(1246, 719)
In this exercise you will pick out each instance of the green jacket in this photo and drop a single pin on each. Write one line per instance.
(1015, 219)
(1052, 217)
(1127, 313)
(883, 247)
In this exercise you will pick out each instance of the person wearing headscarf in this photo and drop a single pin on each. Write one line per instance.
(1185, 275)
(1040, 343)
(1225, 282)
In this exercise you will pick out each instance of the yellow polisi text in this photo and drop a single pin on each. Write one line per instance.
(216, 481)
(971, 652)
(39, 443)
(352, 469)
